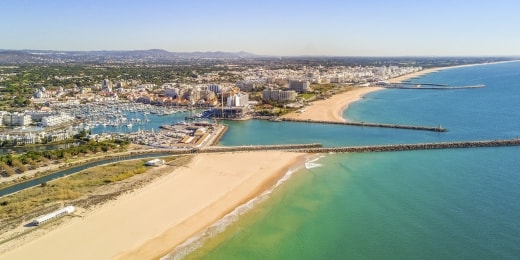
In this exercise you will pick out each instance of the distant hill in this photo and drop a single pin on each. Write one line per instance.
(10, 57)
(151, 56)
(13, 57)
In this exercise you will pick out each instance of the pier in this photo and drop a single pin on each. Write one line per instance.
(363, 124)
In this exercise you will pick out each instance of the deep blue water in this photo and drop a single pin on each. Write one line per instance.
(436, 204)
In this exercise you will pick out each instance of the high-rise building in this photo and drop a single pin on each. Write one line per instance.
(172, 92)
(271, 94)
(238, 100)
(215, 88)
(106, 85)
(299, 86)
(16, 119)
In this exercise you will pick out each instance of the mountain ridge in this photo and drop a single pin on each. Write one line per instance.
(151, 55)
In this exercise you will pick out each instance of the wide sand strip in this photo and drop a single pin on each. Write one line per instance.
(331, 109)
(436, 69)
(150, 222)
(415, 74)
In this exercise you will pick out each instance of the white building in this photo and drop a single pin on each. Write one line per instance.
(238, 100)
(55, 120)
(2, 113)
(30, 138)
(145, 86)
(53, 215)
(16, 119)
(215, 88)
(271, 94)
(299, 86)
(37, 115)
(155, 162)
(171, 92)
(107, 85)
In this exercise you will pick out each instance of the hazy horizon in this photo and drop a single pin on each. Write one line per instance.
(277, 56)
(271, 28)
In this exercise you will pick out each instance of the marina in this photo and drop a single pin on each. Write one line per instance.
(117, 115)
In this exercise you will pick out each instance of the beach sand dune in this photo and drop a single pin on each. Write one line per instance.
(149, 222)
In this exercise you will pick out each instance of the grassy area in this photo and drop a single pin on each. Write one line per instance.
(306, 95)
(11, 164)
(80, 185)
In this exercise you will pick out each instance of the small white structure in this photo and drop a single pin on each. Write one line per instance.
(53, 215)
(155, 162)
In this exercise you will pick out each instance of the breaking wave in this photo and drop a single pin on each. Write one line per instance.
(312, 163)
(198, 240)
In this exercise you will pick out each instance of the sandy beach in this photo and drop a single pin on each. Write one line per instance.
(331, 109)
(436, 69)
(149, 222)
(415, 74)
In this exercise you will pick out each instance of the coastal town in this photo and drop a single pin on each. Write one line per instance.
(181, 130)
(112, 123)
(59, 112)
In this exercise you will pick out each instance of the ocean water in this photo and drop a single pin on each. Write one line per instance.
(437, 204)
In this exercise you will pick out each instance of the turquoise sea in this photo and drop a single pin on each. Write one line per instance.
(436, 204)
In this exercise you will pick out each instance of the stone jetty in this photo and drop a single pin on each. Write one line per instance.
(288, 147)
(410, 147)
(363, 124)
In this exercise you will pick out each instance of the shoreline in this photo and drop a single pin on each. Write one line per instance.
(437, 69)
(159, 243)
(332, 109)
(150, 222)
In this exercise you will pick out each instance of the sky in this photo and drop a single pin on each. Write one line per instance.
(266, 27)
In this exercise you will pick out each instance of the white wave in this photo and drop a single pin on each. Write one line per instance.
(198, 240)
(310, 165)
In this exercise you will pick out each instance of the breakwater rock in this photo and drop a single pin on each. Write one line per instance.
(363, 124)
(410, 147)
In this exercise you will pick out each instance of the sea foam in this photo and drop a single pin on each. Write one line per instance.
(198, 240)
(312, 163)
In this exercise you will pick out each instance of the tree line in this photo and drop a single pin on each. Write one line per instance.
(11, 164)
